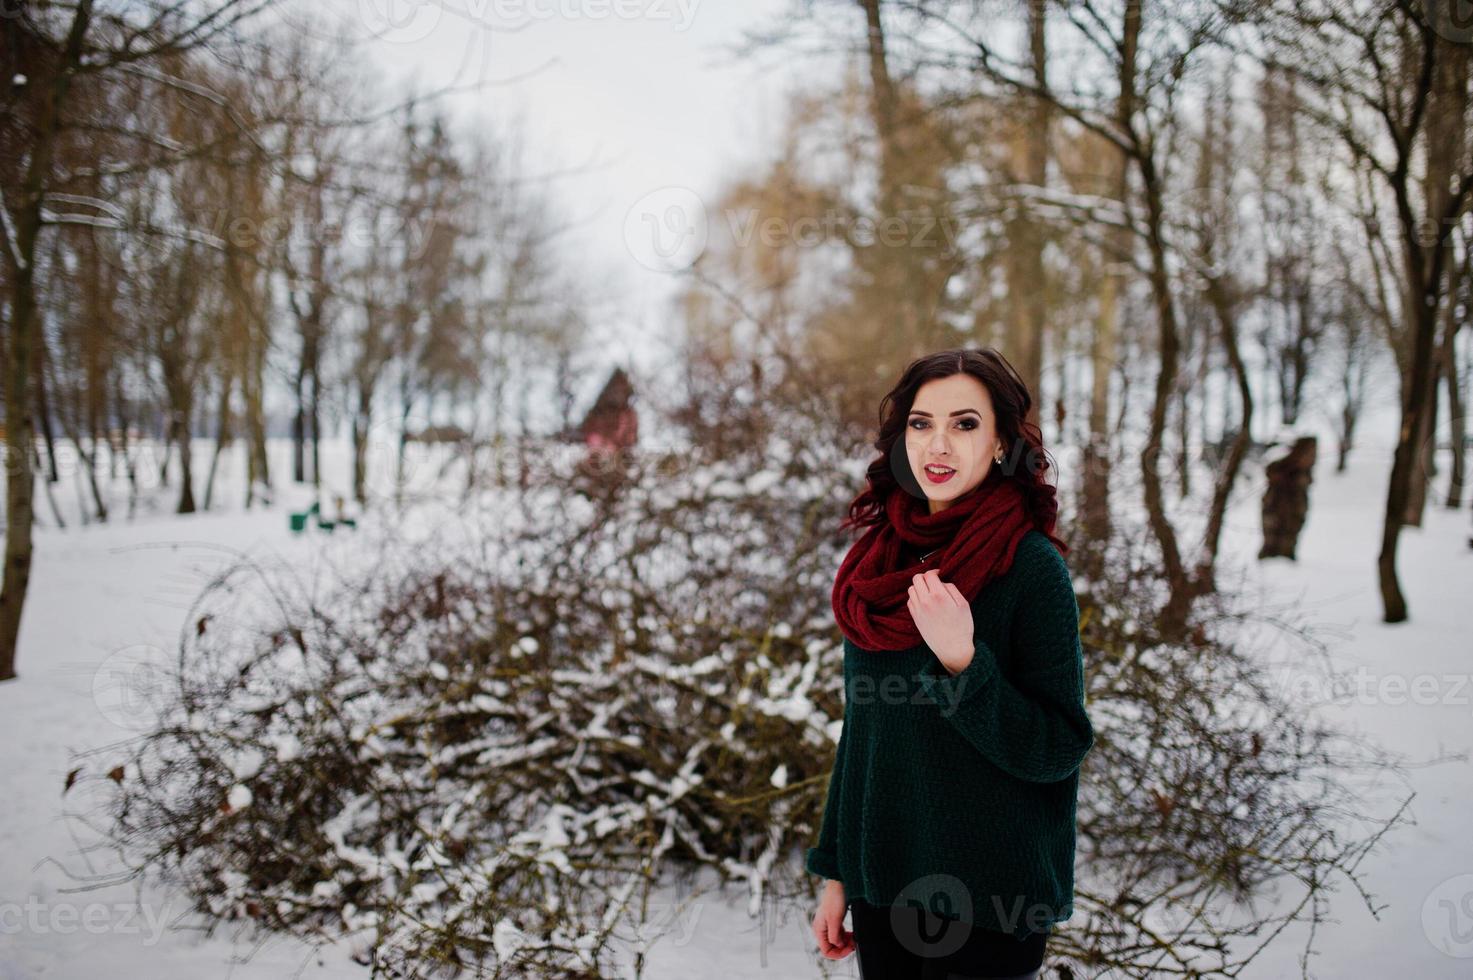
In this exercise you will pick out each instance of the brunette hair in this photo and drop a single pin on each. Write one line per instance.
(1025, 461)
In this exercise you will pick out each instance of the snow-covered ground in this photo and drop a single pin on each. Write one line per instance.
(107, 598)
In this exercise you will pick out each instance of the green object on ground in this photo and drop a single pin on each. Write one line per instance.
(298, 519)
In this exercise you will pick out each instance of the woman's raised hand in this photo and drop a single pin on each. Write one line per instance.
(944, 618)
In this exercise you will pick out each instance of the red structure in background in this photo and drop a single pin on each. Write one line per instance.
(612, 424)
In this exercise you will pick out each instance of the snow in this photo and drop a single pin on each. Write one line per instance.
(98, 590)
(247, 762)
(239, 796)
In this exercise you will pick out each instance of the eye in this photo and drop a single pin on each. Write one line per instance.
(967, 424)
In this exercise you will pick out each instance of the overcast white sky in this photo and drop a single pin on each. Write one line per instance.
(640, 95)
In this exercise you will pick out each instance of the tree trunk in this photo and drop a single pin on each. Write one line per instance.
(43, 410)
(85, 460)
(1027, 295)
(255, 417)
(1184, 423)
(362, 423)
(1458, 424)
(1423, 277)
(1355, 387)
(1224, 303)
(1173, 616)
(1097, 458)
(181, 424)
(223, 434)
(19, 420)
(1448, 368)
(1426, 465)
(299, 424)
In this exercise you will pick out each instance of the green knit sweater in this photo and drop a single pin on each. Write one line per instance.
(957, 793)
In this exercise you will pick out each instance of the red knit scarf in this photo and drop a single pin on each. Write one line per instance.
(976, 535)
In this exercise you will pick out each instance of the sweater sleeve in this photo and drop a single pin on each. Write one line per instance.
(823, 860)
(1032, 723)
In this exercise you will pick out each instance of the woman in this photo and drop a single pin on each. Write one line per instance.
(949, 824)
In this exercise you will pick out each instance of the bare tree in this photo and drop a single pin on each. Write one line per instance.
(1397, 79)
(1150, 66)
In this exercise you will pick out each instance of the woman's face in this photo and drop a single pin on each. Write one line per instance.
(951, 425)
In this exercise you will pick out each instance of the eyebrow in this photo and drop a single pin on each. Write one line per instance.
(960, 411)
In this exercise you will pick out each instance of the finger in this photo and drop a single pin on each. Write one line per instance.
(825, 937)
(924, 584)
(950, 591)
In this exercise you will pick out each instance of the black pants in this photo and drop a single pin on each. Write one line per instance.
(913, 944)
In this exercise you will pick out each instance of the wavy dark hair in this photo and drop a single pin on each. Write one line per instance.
(1026, 461)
